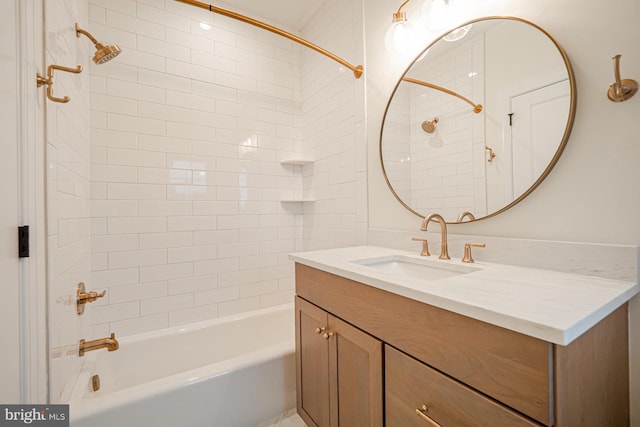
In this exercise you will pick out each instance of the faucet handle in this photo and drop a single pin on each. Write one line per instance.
(425, 246)
(467, 251)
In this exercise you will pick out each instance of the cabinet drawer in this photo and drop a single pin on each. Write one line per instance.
(410, 384)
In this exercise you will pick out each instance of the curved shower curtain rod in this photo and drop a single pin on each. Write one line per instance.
(476, 107)
(357, 70)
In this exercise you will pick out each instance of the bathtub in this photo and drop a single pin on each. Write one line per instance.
(235, 371)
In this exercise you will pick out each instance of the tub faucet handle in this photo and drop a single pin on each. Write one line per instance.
(84, 297)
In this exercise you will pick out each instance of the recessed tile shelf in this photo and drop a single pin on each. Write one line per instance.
(297, 162)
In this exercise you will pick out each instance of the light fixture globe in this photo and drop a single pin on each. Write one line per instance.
(397, 38)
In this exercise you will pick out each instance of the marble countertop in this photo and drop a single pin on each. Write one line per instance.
(552, 306)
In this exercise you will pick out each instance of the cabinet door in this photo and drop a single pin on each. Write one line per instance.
(355, 376)
(312, 364)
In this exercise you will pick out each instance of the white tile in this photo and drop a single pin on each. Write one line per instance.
(111, 173)
(165, 272)
(164, 144)
(108, 278)
(136, 191)
(164, 81)
(192, 284)
(238, 306)
(110, 243)
(136, 91)
(207, 268)
(164, 112)
(127, 293)
(165, 208)
(216, 296)
(165, 240)
(135, 124)
(113, 104)
(196, 314)
(109, 208)
(137, 258)
(127, 157)
(165, 304)
(134, 25)
(115, 312)
(196, 253)
(215, 237)
(192, 223)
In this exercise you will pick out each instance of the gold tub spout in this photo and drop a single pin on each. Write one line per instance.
(111, 344)
(444, 248)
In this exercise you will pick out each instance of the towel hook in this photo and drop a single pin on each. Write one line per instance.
(40, 80)
(621, 90)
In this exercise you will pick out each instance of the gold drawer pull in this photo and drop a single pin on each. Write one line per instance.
(423, 414)
(327, 335)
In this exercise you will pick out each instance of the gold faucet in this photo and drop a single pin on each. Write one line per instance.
(444, 248)
(465, 214)
(111, 344)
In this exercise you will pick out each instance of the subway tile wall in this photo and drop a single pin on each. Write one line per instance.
(333, 130)
(189, 127)
(68, 192)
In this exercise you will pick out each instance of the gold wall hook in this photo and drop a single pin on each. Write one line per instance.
(621, 89)
(41, 80)
(492, 155)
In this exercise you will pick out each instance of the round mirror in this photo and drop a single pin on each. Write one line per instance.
(478, 120)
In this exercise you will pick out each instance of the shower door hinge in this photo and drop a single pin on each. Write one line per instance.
(23, 241)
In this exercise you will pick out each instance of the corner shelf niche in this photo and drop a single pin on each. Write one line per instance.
(296, 161)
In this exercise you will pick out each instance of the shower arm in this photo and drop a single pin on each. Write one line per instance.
(357, 70)
(476, 107)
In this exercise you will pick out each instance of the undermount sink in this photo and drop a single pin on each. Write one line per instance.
(415, 268)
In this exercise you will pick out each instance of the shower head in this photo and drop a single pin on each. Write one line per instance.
(429, 126)
(104, 53)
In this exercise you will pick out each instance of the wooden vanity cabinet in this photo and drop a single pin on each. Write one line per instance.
(464, 371)
(338, 371)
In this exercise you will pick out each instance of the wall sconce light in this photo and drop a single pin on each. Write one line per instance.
(397, 37)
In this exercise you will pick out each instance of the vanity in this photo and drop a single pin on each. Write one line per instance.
(387, 337)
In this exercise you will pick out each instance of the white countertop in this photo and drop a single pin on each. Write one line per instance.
(552, 306)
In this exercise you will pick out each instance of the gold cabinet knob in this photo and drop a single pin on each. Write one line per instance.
(327, 335)
(320, 330)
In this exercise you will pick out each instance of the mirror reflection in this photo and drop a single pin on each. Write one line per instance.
(478, 120)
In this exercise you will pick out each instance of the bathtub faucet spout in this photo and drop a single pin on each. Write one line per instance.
(111, 344)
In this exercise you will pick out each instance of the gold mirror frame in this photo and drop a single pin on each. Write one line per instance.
(561, 145)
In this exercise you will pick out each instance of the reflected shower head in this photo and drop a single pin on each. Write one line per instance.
(103, 53)
(429, 126)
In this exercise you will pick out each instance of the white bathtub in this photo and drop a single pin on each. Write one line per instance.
(236, 371)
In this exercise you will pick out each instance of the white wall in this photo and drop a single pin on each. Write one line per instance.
(68, 192)
(591, 195)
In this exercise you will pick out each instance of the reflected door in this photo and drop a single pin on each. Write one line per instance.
(534, 131)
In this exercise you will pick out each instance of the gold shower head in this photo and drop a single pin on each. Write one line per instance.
(103, 53)
(429, 126)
